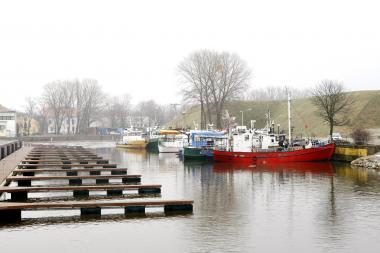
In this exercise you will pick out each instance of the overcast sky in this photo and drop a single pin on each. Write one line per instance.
(134, 47)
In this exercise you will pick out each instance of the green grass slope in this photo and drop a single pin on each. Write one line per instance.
(365, 113)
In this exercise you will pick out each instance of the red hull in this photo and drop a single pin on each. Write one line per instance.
(303, 155)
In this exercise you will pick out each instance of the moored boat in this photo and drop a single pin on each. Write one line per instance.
(293, 154)
(171, 141)
(133, 139)
(202, 143)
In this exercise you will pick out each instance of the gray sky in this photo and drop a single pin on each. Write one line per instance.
(134, 47)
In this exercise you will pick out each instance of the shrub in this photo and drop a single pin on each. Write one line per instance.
(360, 136)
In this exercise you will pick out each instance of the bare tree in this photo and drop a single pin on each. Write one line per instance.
(213, 79)
(54, 98)
(42, 114)
(89, 102)
(30, 110)
(275, 93)
(332, 102)
(117, 110)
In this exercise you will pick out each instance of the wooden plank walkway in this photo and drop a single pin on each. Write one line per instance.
(72, 188)
(21, 193)
(83, 204)
(21, 178)
(51, 159)
(39, 161)
(16, 171)
(104, 165)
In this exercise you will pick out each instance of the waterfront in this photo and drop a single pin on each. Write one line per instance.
(314, 208)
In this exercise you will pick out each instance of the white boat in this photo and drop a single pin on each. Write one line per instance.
(171, 141)
(134, 139)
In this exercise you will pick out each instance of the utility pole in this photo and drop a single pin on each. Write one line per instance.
(175, 112)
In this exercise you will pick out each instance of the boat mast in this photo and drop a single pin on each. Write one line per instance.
(289, 121)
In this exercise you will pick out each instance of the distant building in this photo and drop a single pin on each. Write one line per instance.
(26, 125)
(7, 122)
(69, 125)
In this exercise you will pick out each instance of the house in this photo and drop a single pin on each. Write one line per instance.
(68, 126)
(7, 122)
(26, 125)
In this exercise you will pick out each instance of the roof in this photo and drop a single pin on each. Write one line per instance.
(205, 133)
(4, 109)
(163, 131)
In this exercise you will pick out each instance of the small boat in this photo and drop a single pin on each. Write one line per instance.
(171, 141)
(202, 143)
(133, 139)
(153, 141)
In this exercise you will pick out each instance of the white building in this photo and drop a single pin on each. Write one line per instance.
(68, 126)
(7, 122)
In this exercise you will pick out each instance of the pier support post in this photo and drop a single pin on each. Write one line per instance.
(118, 172)
(178, 208)
(72, 173)
(149, 190)
(91, 211)
(83, 162)
(102, 181)
(127, 180)
(133, 210)
(28, 174)
(114, 192)
(95, 173)
(19, 196)
(7, 216)
(24, 183)
(81, 193)
(76, 181)
(110, 166)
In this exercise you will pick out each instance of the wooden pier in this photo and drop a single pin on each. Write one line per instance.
(74, 165)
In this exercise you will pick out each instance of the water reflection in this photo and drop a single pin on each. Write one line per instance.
(301, 207)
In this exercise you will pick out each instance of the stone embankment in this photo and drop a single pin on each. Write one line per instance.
(370, 162)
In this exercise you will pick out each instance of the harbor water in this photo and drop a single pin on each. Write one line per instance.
(308, 207)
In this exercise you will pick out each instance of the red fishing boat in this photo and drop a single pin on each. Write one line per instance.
(321, 153)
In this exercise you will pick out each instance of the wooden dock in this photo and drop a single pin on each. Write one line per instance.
(43, 163)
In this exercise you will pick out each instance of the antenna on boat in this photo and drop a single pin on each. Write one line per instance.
(289, 120)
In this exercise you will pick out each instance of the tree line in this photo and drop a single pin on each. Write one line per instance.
(86, 101)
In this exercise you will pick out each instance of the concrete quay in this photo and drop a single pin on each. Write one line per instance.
(9, 163)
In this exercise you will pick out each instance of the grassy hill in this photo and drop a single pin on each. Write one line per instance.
(365, 113)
